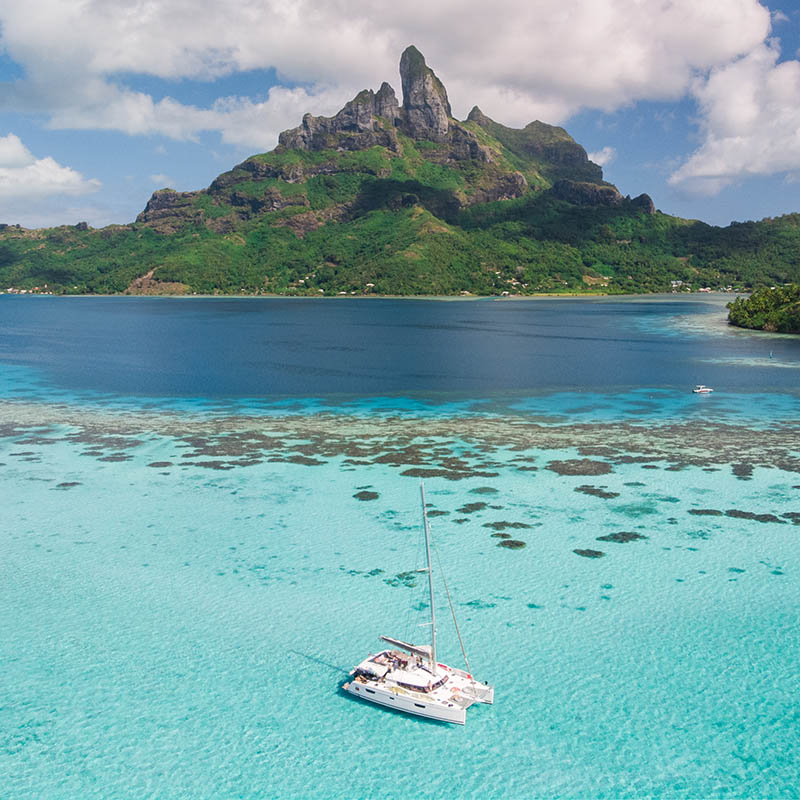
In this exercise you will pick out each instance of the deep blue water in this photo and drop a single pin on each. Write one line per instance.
(276, 348)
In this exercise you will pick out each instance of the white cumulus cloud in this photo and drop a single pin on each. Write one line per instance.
(160, 179)
(14, 154)
(32, 189)
(239, 120)
(23, 176)
(603, 156)
(751, 122)
(518, 61)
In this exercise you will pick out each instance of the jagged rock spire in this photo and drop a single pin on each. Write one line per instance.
(476, 115)
(386, 104)
(374, 118)
(427, 110)
(367, 120)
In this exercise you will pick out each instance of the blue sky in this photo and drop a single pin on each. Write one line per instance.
(104, 101)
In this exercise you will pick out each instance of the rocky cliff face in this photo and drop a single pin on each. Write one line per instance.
(480, 149)
(581, 193)
(426, 109)
(369, 119)
(557, 154)
(168, 210)
(644, 203)
(374, 118)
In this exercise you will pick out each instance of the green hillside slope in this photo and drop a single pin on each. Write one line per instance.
(775, 309)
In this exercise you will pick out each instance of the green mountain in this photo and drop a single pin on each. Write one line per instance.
(403, 199)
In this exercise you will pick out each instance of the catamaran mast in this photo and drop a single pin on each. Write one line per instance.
(430, 579)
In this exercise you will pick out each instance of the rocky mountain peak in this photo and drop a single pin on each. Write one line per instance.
(476, 115)
(374, 118)
(427, 109)
(367, 120)
(386, 104)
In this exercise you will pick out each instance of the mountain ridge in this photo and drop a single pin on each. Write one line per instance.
(545, 154)
(394, 198)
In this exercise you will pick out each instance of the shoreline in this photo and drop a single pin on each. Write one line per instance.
(434, 297)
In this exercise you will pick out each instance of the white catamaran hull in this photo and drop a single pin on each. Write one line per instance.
(447, 697)
(403, 701)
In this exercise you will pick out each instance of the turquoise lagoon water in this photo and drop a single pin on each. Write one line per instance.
(187, 579)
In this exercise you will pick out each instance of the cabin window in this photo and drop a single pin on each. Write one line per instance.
(371, 691)
(419, 705)
(424, 689)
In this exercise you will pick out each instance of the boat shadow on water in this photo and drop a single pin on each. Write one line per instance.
(321, 661)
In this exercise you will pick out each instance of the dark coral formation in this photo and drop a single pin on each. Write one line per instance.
(597, 491)
(733, 512)
(471, 508)
(503, 525)
(743, 471)
(622, 537)
(580, 466)
(407, 579)
(738, 514)
(307, 439)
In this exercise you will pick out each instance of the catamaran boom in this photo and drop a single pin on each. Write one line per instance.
(422, 650)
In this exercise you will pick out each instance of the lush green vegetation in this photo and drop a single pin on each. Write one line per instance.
(408, 222)
(769, 309)
(542, 153)
(67, 260)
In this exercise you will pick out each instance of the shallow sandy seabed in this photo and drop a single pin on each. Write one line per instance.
(178, 624)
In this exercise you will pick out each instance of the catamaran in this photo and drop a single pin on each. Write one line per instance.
(409, 678)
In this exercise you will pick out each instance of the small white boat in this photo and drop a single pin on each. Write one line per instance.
(409, 678)
(700, 389)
